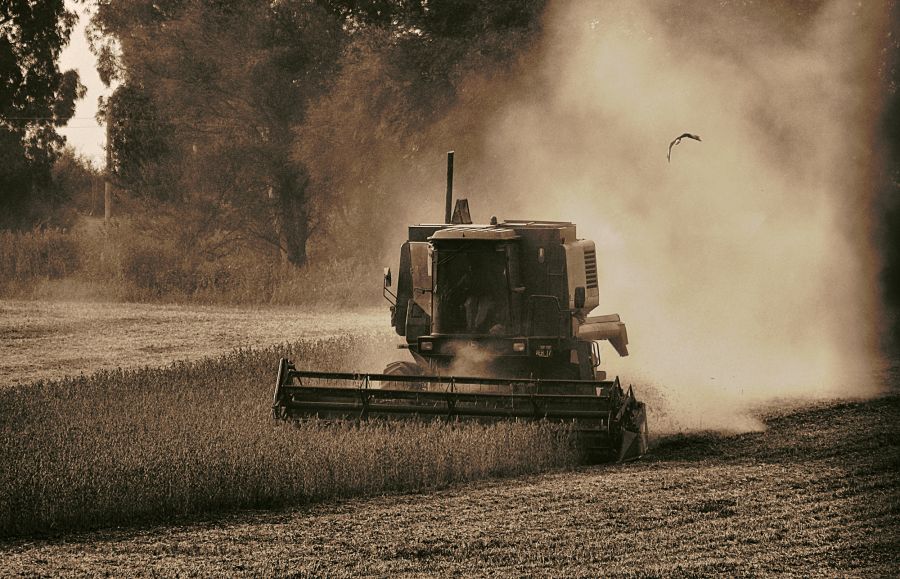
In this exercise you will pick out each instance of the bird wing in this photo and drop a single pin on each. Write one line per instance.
(678, 140)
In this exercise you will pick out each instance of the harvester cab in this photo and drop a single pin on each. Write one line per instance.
(496, 319)
(513, 297)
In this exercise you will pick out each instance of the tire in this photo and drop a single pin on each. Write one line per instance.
(403, 368)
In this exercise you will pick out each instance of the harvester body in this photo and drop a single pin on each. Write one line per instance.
(496, 319)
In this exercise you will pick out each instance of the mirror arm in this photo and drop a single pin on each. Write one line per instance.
(390, 296)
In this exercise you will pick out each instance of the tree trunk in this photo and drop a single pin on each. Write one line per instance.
(291, 219)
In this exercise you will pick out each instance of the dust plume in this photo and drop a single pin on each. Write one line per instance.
(744, 268)
(471, 360)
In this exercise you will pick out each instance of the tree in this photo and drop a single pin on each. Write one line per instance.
(140, 146)
(35, 98)
(415, 80)
(266, 114)
(77, 184)
(230, 81)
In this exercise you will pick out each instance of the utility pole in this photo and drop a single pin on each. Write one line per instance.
(107, 185)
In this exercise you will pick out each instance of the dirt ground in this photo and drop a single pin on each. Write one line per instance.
(48, 340)
(815, 495)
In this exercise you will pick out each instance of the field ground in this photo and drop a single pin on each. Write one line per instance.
(816, 494)
(50, 340)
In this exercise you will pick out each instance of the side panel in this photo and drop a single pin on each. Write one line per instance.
(581, 270)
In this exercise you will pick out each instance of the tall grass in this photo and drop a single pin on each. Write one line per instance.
(38, 254)
(149, 444)
(123, 264)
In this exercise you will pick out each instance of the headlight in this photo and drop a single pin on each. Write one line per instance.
(518, 346)
(426, 346)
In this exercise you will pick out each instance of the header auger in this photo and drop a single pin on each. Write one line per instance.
(508, 301)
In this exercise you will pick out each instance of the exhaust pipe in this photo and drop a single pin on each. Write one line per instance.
(448, 213)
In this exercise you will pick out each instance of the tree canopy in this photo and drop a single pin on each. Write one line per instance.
(35, 98)
(255, 112)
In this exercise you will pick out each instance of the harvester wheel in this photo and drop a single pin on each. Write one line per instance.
(404, 368)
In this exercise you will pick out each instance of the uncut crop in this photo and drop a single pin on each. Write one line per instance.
(150, 444)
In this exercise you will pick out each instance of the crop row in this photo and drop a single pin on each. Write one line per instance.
(151, 444)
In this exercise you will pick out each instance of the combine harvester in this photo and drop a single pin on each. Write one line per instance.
(509, 301)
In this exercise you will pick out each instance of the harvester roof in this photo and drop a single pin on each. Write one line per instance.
(531, 231)
(485, 232)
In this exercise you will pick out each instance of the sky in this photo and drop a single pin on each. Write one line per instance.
(83, 131)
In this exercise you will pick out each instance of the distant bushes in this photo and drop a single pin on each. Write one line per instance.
(123, 264)
(37, 254)
(128, 446)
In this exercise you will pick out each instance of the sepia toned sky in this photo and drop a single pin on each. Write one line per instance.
(83, 132)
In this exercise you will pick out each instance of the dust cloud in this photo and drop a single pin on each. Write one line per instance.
(744, 268)
(471, 360)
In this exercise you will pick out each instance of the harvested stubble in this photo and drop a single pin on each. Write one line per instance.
(140, 445)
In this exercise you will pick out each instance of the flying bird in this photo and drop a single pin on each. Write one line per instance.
(678, 140)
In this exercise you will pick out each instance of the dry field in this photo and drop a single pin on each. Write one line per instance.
(51, 340)
(196, 436)
(163, 464)
(146, 444)
(814, 495)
